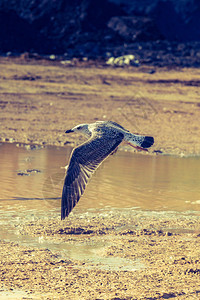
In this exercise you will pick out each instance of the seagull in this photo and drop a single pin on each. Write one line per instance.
(104, 137)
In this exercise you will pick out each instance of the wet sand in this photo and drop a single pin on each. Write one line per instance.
(39, 101)
(163, 247)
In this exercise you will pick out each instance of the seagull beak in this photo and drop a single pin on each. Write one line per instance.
(68, 131)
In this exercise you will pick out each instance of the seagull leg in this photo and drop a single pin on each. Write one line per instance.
(138, 147)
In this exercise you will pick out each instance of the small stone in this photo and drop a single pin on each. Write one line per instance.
(122, 61)
(168, 233)
(66, 62)
(11, 140)
(152, 71)
(52, 57)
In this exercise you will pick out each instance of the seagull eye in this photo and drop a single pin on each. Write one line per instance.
(79, 127)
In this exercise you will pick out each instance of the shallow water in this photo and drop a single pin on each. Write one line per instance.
(31, 187)
(33, 179)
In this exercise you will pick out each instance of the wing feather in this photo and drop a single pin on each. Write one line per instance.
(84, 160)
(117, 125)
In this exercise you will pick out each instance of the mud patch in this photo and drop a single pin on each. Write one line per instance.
(117, 254)
(79, 230)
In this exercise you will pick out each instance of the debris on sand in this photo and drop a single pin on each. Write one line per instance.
(124, 60)
(28, 172)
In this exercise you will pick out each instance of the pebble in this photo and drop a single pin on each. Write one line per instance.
(52, 57)
(121, 61)
(28, 172)
(29, 147)
(66, 62)
(8, 140)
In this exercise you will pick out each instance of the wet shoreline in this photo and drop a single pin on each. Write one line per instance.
(165, 105)
(105, 247)
(147, 242)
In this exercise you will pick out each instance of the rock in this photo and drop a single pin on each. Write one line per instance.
(121, 61)
(99, 29)
(183, 24)
(9, 140)
(52, 57)
(33, 171)
(56, 27)
(21, 173)
(28, 172)
(134, 28)
(66, 62)
(31, 147)
(152, 71)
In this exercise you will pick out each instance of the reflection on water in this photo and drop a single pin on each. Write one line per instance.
(124, 180)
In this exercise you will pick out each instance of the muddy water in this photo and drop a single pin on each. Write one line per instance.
(31, 186)
(33, 179)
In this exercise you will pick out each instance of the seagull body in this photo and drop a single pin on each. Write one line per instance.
(104, 137)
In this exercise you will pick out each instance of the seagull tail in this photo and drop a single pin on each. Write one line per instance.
(140, 141)
(147, 142)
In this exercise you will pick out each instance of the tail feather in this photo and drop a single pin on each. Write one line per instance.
(148, 142)
(140, 141)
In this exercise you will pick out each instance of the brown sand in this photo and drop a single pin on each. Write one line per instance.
(39, 101)
(164, 248)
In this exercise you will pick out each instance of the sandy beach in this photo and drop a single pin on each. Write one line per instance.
(158, 253)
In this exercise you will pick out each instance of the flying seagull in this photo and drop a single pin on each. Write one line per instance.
(104, 137)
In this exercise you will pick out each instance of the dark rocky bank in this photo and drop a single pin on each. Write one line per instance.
(156, 32)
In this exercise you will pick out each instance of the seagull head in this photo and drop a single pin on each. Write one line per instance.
(82, 128)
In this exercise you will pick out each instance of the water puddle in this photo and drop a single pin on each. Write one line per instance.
(14, 294)
(125, 180)
(90, 252)
(31, 187)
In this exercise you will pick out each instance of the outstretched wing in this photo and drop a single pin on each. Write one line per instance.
(116, 125)
(85, 159)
